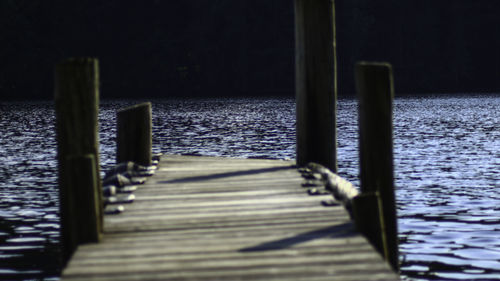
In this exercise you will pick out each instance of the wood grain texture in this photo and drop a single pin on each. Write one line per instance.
(82, 181)
(206, 218)
(134, 134)
(316, 82)
(375, 86)
(76, 100)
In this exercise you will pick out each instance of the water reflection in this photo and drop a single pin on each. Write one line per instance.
(448, 197)
(211, 127)
(28, 199)
(446, 170)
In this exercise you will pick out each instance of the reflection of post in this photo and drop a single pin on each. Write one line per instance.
(376, 91)
(76, 103)
(134, 134)
(315, 82)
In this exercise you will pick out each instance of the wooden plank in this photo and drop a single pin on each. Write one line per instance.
(236, 220)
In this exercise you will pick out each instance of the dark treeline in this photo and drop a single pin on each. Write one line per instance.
(434, 46)
(246, 47)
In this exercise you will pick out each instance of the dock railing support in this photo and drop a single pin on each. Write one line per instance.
(316, 82)
(134, 134)
(366, 213)
(76, 106)
(375, 89)
(82, 178)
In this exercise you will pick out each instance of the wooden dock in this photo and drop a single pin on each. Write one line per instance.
(208, 218)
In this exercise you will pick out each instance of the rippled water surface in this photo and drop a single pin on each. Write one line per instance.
(446, 157)
(447, 168)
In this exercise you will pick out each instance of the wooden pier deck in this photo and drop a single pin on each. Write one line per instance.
(209, 218)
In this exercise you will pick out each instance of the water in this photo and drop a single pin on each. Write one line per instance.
(447, 166)
(446, 154)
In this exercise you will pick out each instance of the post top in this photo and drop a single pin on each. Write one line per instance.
(77, 60)
(136, 106)
(373, 64)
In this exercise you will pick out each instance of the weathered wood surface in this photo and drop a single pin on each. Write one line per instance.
(375, 86)
(316, 82)
(76, 100)
(206, 218)
(133, 134)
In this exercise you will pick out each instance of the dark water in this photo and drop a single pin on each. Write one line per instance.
(447, 160)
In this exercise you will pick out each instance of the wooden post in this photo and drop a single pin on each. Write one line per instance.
(76, 104)
(82, 182)
(134, 134)
(316, 82)
(376, 91)
(366, 212)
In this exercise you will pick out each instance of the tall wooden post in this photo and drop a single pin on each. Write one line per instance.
(76, 104)
(134, 134)
(376, 91)
(316, 82)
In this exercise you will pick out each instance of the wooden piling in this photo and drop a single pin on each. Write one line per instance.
(376, 91)
(134, 134)
(76, 104)
(316, 82)
(82, 182)
(366, 212)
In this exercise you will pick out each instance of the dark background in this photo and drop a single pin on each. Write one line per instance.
(163, 48)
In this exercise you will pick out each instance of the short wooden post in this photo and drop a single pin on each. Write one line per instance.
(366, 212)
(316, 82)
(76, 104)
(134, 134)
(82, 182)
(376, 91)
